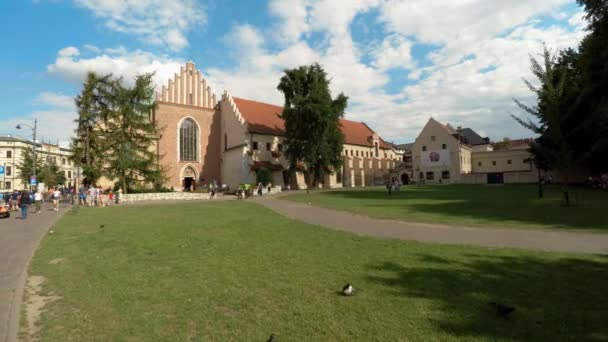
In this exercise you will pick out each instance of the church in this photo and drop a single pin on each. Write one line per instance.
(205, 139)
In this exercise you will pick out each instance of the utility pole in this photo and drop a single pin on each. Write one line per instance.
(33, 146)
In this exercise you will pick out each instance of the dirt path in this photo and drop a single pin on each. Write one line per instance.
(544, 240)
(18, 241)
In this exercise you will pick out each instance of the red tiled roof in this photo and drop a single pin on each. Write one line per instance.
(264, 118)
(261, 117)
(520, 144)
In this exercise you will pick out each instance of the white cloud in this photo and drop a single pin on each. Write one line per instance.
(117, 61)
(56, 115)
(159, 22)
(293, 16)
(68, 52)
(394, 52)
(483, 52)
(55, 100)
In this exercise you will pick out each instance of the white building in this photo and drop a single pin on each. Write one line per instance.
(12, 151)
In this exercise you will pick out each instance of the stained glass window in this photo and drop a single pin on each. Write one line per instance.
(188, 140)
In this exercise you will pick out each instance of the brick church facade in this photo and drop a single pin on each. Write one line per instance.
(205, 139)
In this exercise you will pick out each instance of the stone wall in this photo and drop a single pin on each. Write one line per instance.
(165, 196)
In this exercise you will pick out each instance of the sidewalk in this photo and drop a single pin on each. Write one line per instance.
(18, 241)
(533, 239)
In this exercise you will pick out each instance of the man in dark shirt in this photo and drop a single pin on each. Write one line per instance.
(25, 203)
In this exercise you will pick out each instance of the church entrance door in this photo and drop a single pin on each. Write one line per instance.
(188, 183)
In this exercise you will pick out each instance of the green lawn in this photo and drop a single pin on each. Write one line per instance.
(509, 205)
(225, 271)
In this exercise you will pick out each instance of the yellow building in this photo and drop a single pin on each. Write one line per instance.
(12, 151)
(444, 154)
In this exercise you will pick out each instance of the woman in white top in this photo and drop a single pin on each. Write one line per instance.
(38, 201)
(56, 195)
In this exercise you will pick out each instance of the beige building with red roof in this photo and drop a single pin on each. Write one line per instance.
(204, 140)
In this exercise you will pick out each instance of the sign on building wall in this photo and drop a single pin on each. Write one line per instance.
(435, 158)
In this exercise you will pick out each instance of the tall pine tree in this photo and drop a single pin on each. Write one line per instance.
(130, 134)
(87, 144)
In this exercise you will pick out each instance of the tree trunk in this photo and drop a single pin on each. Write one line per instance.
(124, 182)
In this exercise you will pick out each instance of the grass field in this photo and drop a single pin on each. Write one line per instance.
(228, 271)
(510, 205)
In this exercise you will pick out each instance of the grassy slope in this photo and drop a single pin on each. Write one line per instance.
(236, 271)
(512, 205)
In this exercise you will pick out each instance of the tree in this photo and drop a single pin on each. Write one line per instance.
(550, 150)
(130, 132)
(25, 168)
(591, 105)
(46, 172)
(51, 175)
(312, 121)
(87, 144)
(502, 145)
(263, 175)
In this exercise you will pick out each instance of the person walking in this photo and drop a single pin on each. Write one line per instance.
(56, 196)
(38, 201)
(14, 200)
(25, 203)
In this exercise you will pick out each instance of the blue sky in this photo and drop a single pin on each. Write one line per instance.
(400, 62)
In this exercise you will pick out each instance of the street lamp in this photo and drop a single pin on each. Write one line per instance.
(34, 142)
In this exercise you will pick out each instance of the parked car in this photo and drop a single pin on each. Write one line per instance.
(4, 210)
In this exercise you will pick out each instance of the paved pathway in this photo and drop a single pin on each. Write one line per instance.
(535, 239)
(18, 241)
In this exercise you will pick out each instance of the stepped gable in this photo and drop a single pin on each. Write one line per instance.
(188, 87)
(263, 118)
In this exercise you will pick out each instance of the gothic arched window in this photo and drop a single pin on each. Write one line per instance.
(188, 140)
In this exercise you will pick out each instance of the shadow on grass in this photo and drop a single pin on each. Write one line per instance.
(482, 204)
(560, 299)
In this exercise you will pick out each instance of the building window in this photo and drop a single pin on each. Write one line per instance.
(9, 171)
(478, 163)
(351, 153)
(225, 142)
(190, 99)
(7, 185)
(9, 154)
(339, 176)
(445, 174)
(509, 161)
(421, 176)
(268, 146)
(444, 146)
(70, 174)
(433, 138)
(376, 149)
(429, 175)
(188, 140)
(423, 148)
(493, 162)
(255, 146)
(62, 161)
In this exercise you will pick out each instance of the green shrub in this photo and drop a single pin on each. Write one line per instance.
(263, 175)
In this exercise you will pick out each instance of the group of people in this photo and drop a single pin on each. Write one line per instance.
(598, 181)
(393, 186)
(247, 190)
(94, 196)
(22, 200)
